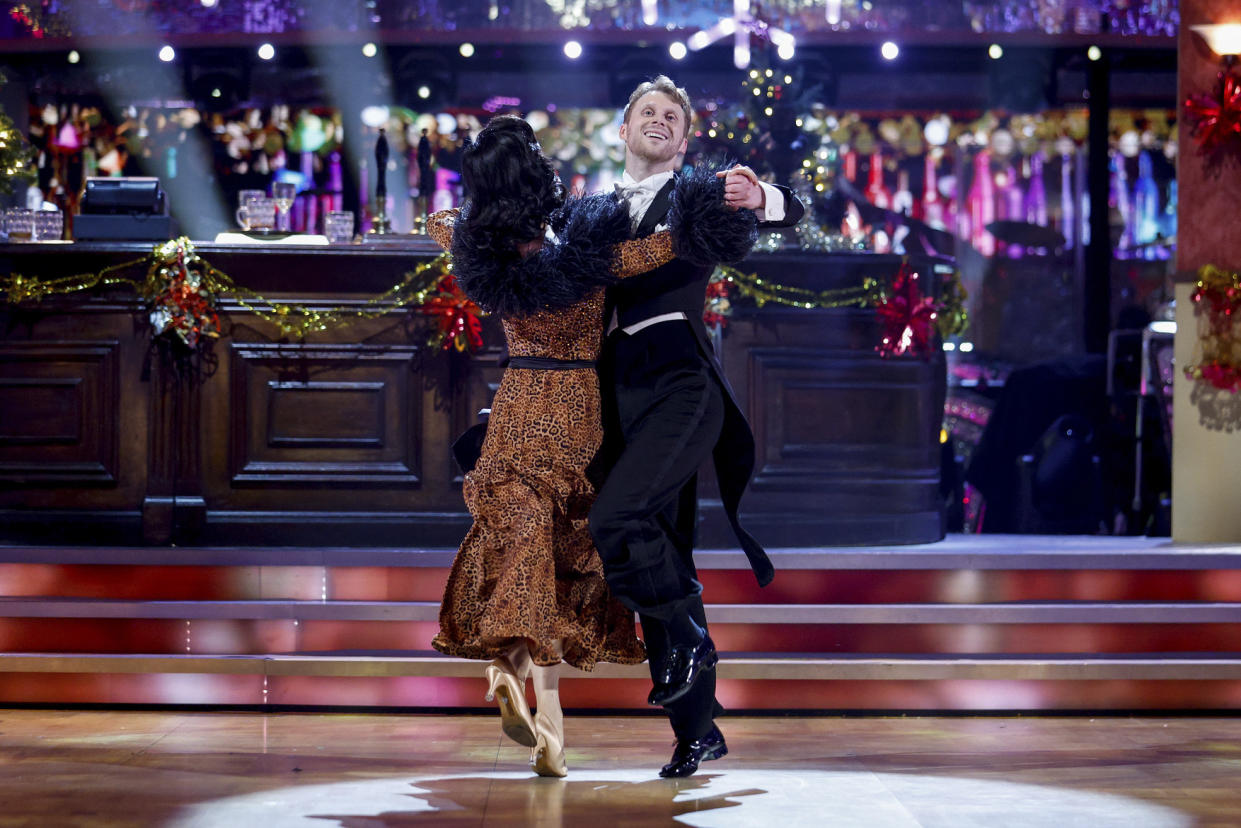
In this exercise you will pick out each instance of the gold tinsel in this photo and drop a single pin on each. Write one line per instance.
(292, 319)
(951, 315)
(296, 321)
(761, 291)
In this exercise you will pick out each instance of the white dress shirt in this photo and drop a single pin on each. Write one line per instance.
(641, 194)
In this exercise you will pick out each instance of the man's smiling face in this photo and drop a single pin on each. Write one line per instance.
(656, 130)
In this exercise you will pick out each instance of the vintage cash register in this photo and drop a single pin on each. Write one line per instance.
(124, 209)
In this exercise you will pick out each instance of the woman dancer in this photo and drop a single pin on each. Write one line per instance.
(527, 588)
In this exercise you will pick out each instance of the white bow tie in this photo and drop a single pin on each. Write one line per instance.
(628, 192)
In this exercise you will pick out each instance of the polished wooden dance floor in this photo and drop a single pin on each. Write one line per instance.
(123, 768)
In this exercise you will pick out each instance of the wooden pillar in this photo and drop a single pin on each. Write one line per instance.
(1206, 443)
(1097, 290)
(173, 510)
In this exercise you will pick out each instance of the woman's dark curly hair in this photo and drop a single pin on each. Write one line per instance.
(511, 186)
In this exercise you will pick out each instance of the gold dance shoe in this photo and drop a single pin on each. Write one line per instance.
(547, 758)
(515, 718)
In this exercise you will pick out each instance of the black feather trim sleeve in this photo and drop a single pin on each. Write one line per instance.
(579, 260)
(704, 231)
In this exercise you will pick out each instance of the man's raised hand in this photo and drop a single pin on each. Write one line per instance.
(741, 189)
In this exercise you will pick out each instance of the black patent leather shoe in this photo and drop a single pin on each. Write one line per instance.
(687, 755)
(684, 666)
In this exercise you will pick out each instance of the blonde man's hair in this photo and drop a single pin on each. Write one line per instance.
(663, 84)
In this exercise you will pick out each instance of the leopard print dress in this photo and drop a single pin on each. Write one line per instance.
(528, 568)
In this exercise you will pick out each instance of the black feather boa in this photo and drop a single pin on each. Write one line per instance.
(704, 231)
(559, 275)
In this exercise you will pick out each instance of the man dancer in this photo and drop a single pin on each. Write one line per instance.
(667, 403)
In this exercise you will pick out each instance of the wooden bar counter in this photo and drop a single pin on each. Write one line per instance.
(343, 439)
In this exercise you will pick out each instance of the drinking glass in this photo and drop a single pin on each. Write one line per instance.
(284, 192)
(257, 214)
(49, 225)
(19, 224)
(338, 226)
(249, 195)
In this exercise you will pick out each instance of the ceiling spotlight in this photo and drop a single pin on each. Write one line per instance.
(167, 54)
(995, 51)
(573, 50)
(208, 4)
(678, 50)
(74, 57)
(1094, 53)
(466, 50)
(370, 49)
(889, 50)
(786, 50)
(216, 93)
(424, 92)
(267, 51)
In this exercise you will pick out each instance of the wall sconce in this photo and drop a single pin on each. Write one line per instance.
(1224, 39)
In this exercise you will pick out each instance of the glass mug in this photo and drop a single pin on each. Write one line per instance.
(257, 214)
(49, 225)
(19, 224)
(249, 195)
(338, 227)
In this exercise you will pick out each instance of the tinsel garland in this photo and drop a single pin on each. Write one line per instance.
(761, 291)
(1217, 298)
(900, 306)
(182, 291)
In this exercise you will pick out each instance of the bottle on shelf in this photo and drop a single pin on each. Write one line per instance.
(1036, 195)
(903, 199)
(980, 204)
(876, 193)
(933, 207)
(1145, 202)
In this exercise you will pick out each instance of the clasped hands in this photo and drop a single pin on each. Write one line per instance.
(741, 188)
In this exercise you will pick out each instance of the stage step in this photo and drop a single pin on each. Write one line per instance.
(1049, 612)
(733, 667)
(973, 623)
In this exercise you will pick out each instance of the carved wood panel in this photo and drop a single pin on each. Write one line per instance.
(59, 413)
(832, 418)
(325, 415)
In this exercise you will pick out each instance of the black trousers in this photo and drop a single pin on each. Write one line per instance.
(662, 398)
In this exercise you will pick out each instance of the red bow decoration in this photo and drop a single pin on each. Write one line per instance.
(1217, 301)
(1215, 119)
(908, 317)
(459, 319)
(718, 306)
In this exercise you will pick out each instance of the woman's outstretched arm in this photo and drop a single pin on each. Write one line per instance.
(440, 225)
(642, 255)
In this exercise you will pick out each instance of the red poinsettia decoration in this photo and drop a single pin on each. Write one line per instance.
(1215, 119)
(908, 317)
(182, 294)
(460, 323)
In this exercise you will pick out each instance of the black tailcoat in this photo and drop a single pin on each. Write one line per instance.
(681, 286)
